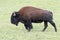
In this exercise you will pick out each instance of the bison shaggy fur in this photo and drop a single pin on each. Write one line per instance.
(28, 15)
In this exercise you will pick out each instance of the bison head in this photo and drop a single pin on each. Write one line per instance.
(15, 18)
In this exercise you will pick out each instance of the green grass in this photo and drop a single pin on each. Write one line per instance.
(9, 31)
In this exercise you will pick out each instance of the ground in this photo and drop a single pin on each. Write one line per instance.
(9, 31)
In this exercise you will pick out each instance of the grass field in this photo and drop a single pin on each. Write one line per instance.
(9, 31)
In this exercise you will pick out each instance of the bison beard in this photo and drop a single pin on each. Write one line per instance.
(29, 15)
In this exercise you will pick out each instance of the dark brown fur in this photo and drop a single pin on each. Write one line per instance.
(29, 15)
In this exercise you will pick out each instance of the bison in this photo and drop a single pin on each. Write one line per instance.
(28, 15)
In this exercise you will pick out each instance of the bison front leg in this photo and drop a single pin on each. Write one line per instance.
(45, 25)
(28, 25)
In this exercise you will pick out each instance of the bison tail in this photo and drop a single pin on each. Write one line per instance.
(51, 15)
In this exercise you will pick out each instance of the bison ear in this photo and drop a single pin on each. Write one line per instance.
(14, 14)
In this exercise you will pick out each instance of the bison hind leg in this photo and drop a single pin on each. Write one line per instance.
(45, 26)
(53, 24)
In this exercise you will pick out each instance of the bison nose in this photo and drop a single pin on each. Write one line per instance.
(15, 24)
(11, 21)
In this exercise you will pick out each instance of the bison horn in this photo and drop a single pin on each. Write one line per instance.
(14, 14)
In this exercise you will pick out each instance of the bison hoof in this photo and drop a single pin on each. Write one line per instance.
(43, 30)
(55, 30)
(29, 29)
